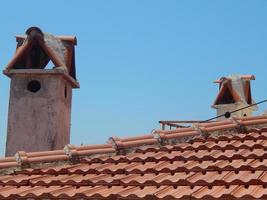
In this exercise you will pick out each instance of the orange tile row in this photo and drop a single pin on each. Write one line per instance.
(209, 150)
(23, 158)
(153, 167)
(256, 139)
(249, 149)
(195, 155)
(115, 145)
(209, 178)
(133, 192)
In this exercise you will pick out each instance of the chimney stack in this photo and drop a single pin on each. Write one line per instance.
(234, 93)
(40, 99)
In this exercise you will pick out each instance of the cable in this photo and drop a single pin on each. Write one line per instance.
(228, 114)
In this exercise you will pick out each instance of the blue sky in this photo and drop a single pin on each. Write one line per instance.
(139, 62)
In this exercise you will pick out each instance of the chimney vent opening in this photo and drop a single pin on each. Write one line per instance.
(227, 98)
(227, 115)
(65, 92)
(34, 86)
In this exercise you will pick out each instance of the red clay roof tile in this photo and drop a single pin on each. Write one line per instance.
(227, 164)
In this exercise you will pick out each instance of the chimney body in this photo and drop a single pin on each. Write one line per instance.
(40, 99)
(234, 93)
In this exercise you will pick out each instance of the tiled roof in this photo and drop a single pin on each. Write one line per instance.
(226, 159)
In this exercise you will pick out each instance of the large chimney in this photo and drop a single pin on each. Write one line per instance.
(40, 99)
(234, 94)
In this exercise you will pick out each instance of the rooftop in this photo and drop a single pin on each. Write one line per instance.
(223, 159)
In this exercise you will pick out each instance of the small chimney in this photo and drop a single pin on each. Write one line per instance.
(40, 99)
(234, 93)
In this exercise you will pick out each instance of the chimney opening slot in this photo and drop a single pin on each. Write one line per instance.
(227, 98)
(65, 91)
(227, 115)
(34, 86)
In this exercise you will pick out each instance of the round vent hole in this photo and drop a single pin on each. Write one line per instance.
(227, 115)
(34, 86)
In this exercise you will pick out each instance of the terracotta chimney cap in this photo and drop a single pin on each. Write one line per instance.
(34, 29)
(244, 77)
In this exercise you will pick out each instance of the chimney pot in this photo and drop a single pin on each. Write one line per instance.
(234, 94)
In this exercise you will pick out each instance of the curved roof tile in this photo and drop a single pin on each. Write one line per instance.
(230, 162)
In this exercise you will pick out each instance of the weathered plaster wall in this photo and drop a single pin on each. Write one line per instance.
(38, 121)
(223, 108)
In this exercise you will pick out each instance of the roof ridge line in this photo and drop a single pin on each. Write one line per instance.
(123, 146)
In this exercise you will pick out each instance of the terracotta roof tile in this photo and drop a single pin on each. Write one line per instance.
(227, 164)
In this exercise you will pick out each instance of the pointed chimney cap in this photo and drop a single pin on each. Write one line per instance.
(36, 48)
(244, 77)
(234, 88)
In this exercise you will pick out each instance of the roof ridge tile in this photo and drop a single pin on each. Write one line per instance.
(157, 139)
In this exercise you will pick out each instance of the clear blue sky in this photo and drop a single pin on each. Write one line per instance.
(139, 62)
